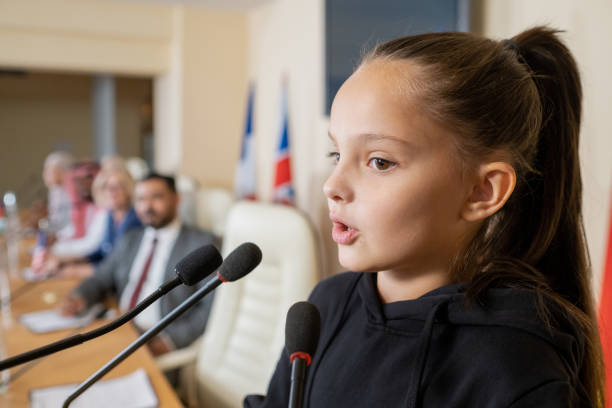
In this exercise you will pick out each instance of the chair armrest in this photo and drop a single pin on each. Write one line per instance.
(178, 358)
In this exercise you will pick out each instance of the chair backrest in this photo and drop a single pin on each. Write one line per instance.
(185, 183)
(187, 188)
(245, 332)
(212, 208)
(137, 167)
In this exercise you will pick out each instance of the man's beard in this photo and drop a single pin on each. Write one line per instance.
(157, 224)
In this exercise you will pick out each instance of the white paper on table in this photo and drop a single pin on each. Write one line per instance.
(31, 276)
(49, 320)
(131, 391)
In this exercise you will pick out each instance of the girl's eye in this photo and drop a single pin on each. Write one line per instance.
(380, 164)
(335, 156)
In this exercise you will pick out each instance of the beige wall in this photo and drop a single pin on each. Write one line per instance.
(85, 35)
(214, 74)
(40, 112)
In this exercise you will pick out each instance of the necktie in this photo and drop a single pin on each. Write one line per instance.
(143, 276)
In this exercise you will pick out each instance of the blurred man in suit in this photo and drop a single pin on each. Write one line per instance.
(143, 260)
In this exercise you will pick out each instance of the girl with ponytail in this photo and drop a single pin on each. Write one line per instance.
(456, 203)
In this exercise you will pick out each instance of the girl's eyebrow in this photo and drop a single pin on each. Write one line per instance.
(375, 137)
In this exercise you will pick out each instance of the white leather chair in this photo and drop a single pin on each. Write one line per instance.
(212, 208)
(245, 333)
(187, 188)
(137, 167)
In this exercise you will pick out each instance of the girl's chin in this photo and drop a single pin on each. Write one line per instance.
(354, 264)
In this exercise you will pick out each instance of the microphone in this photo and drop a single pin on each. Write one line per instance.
(301, 337)
(237, 264)
(194, 267)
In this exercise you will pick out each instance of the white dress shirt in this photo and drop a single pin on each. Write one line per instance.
(59, 208)
(94, 235)
(166, 237)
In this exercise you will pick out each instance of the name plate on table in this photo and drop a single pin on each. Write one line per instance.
(45, 321)
(130, 391)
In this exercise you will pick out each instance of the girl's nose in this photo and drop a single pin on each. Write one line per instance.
(337, 187)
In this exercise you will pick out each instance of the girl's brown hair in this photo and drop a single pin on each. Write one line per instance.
(522, 97)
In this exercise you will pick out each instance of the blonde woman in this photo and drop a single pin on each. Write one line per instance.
(112, 190)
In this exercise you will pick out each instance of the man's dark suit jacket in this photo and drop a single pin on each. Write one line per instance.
(111, 278)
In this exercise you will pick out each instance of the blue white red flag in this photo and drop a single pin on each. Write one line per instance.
(39, 255)
(283, 189)
(244, 183)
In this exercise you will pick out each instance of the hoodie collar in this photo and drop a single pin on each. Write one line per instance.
(509, 307)
(415, 309)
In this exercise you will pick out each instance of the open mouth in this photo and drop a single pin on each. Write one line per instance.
(343, 234)
(344, 227)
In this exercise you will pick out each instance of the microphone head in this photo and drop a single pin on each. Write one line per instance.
(240, 262)
(302, 328)
(198, 264)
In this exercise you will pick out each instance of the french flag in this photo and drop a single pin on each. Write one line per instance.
(283, 189)
(39, 254)
(244, 183)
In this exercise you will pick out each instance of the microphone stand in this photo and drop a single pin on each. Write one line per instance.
(18, 373)
(302, 331)
(83, 337)
(208, 287)
(298, 374)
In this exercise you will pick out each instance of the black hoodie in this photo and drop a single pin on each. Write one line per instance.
(433, 351)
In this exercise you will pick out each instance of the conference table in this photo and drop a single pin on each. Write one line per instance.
(72, 365)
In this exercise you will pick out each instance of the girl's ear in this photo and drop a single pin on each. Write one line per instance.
(493, 185)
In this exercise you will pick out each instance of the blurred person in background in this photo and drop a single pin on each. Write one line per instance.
(78, 184)
(57, 164)
(142, 260)
(112, 188)
(115, 191)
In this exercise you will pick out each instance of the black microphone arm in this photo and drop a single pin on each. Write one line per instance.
(190, 270)
(239, 263)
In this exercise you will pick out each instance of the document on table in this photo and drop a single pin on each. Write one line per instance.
(31, 276)
(130, 391)
(49, 320)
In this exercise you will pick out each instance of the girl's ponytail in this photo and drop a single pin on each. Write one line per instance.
(556, 241)
(557, 245)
